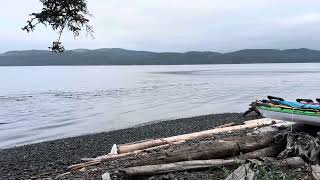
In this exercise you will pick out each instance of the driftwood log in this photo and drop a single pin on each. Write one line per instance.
(271, 151)
(302, 145)
(226, 147)
(179, 166)
(201, 164)
(292, 162)
(222, 128)
(125, 148)
(109, 157)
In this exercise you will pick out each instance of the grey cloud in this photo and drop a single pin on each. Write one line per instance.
(176, 25)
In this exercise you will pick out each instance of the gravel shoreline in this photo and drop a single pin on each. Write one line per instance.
(54, 156)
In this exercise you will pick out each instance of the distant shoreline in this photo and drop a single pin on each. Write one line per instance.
(157, 64)
(54, 156)
(117, 56)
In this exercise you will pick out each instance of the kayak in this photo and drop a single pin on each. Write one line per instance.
(302, 111)
(293, 115)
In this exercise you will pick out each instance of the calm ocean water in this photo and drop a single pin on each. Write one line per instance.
(46, 103)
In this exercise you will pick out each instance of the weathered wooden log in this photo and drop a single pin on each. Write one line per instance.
(221, 148)
(226, 147)
(118, 156)
(113, 157)
(99, 159)
(201, 164)
(302, 145)
(157, 142)
(293, 162)
(179, 166)
(271, 151)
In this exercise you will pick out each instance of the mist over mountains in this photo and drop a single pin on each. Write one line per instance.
(117, 56)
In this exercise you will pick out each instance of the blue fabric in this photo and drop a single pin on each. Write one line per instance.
(296, 104)
(311, 106)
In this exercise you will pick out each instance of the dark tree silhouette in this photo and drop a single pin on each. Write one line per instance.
(60, 15)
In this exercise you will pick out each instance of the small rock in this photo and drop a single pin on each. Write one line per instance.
(82, 169)
(106, 176)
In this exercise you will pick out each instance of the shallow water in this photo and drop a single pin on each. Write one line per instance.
(45, 103)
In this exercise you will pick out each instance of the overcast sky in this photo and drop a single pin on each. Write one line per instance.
(175, 25)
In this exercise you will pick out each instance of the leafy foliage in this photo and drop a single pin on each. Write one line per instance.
(60, 15)
(269, 171)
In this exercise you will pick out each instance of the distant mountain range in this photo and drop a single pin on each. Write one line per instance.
(117, 56)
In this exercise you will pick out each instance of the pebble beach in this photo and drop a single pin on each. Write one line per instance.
(53, 157)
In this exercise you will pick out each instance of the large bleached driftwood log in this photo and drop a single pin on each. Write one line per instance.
(125, 148)
(210, 149)
(179, 166)
(118, 156)
(265, 129)
(226, 147)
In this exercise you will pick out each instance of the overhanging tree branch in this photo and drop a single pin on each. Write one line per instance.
(60, 15)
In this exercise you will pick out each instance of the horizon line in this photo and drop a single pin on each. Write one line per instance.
(86, 49)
